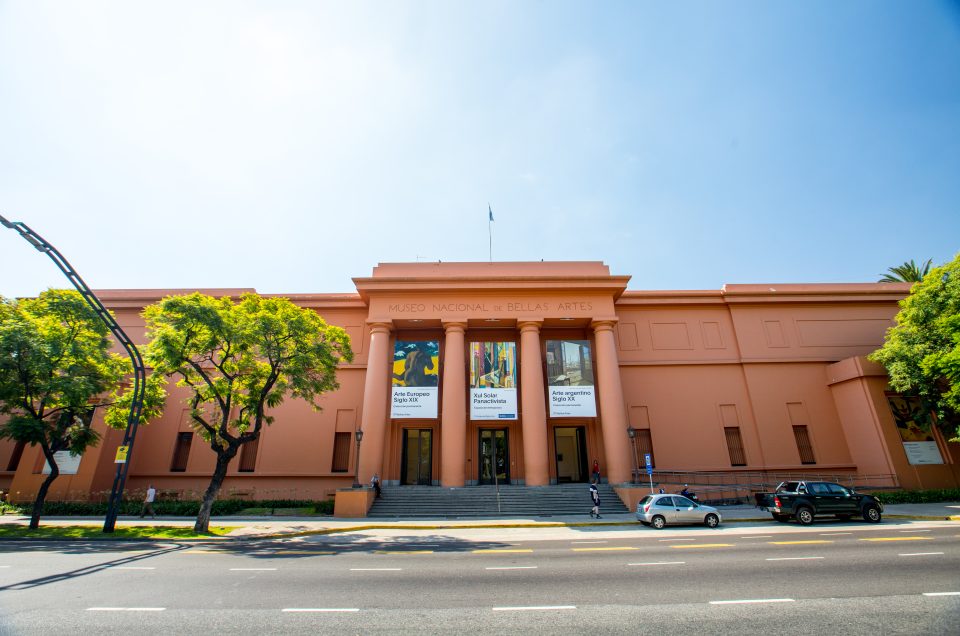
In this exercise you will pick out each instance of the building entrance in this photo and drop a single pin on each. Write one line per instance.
(494, 456)
(570, 443)
(417, 463)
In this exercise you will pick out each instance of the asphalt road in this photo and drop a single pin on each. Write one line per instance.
(847, 578)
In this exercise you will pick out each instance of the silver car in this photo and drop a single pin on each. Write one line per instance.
(659, 510)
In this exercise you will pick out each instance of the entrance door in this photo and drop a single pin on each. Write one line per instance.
(417, 457)
(494, 455)
(570, 443)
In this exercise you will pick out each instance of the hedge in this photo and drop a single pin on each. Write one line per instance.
(919, 496)
(221, 507)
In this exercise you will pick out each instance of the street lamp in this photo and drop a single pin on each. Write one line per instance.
(356, 477)
(139, 371)
(632, 434)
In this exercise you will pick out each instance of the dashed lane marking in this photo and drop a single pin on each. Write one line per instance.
(534, 608)
(585, 542)
(506, 550)
(833, 534)
(704, 545)
(906, 531)
(660, 563)
(513, 567)
(320, 609)
(758, 536)
(920, 554)
(402, 552)
(376, 569)
(794, 558)
(667, 540)
(800, 542)
(253, 569)
(754, 600)
(621, 548)
(274, 552)
(941, 593)
(898, 539)
(130, 567)
(126, 609)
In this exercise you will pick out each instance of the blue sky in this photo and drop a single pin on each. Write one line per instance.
(290, 146)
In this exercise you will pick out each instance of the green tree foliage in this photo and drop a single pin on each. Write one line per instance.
(922, 352)
(55, 369)
(239, 359)
(909, 272)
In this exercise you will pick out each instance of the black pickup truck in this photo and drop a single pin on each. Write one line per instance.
(805, 500)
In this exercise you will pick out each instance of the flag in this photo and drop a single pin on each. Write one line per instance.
(490, 210)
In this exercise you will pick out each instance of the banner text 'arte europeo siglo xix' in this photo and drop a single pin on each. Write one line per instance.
(415, 390)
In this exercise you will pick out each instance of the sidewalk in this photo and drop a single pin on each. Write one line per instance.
(265, 527)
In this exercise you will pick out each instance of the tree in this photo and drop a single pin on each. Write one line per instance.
(922, 352)
(55, 369)
(237, 360)
(906, 273)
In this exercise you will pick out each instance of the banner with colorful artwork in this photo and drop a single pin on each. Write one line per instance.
(570, 383)
(915, 431)
(493, 380)
(415, 390)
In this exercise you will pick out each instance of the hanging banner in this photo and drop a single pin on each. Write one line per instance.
(570, 382)
(915, 431)
(67, 463)
(493, 380)
(415, 388)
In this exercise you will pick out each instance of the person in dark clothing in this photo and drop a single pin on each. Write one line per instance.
(595, 497)
(375, 482)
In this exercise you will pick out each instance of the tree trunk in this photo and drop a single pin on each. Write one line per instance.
(203, 517)
(42, 494)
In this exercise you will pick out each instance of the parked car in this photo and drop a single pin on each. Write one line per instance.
(660, 510)
(804, 500)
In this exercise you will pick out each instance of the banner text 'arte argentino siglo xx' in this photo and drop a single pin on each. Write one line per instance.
(493, 380)
(570, 379)
(416, 368)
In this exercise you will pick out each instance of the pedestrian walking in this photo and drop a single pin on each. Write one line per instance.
(375, 482)
(596, 471)
(148, 502)
(595, 498)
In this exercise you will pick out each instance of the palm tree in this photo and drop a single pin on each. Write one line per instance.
(906, 273)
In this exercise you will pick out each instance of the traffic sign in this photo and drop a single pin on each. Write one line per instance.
(121, 455)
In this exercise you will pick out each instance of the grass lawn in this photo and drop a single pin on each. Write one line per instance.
(12, 531)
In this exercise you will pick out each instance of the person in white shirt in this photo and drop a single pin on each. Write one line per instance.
(148, 502)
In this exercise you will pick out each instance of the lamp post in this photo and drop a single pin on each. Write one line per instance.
(632, 434)
(139, 371)
(356, 477)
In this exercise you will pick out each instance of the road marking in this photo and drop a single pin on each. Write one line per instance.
(582, 542)
(920, 554)
(320, 609)
(607, 549)
(299, 552)
(204, 552)
(253, 569)
(126, 609)
(534, 607)
(403, 552)
(660, 563)
(676, 539)
(128, 567)
(754, 600)
(759, 536)
(511, 550)
(376, 569)
(833, 534)
(514, 567)
(904, 531)
(898, 539)
(941, 593)
(5, 566)
(705, 545)
(793, 558)
(799, 542)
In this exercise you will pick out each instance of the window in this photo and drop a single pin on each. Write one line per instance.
(341, 453)
(735, 446)
(645, 446)
(802, 436)
(666, 502)
(248, 456)
(15, 457)
(181, 452)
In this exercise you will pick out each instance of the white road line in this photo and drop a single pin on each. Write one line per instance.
(831, 534)
(920, 553)
(793, 558)
(514, 567)
(912, 531)
(660, 563)
(126, 609)
(130, 567)
(320, 609)
(534, 607)
(672, 540)
(754, 600)
(583, 542)
(253, 569)
(5, 566)
(757, 536)
(376, 569)
(941, 593)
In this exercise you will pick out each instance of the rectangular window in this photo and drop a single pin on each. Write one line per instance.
(341, 453)
(15, 457)
(181, 452)
(802, 436)
(735, 446)
(248, 456)
(644, 446)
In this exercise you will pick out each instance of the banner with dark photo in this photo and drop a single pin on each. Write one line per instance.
(916, 431)
(493, 380)
(570, 382)
(415, 379)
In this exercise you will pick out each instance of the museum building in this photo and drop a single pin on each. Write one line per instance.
(526, 373)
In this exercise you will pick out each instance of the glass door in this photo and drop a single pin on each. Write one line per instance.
(494, 456)
(417, 462)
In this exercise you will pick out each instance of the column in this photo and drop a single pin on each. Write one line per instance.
(535, 462)
(453, 412)
(613, 415)
(376, 388)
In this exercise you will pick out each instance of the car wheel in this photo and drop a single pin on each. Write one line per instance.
(804, 516)
(872, 514)
(658, 522)
(781, 518)
(711, 520)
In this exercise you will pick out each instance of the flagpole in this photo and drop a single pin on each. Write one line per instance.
(490, 229)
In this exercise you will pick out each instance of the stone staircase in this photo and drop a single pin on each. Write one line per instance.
(481, 501)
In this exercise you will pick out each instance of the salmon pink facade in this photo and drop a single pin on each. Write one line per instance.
(527, 373)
